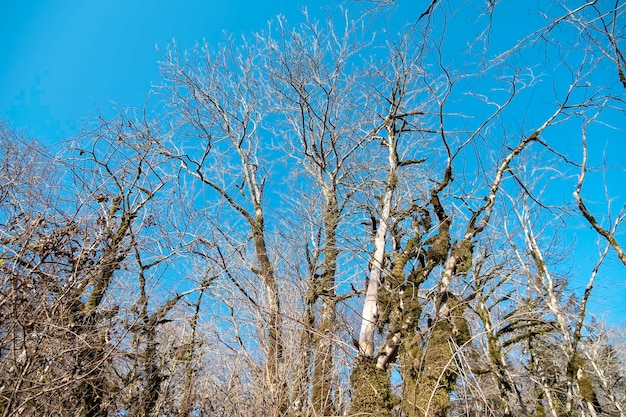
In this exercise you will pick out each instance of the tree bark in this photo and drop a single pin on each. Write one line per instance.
(322, 393)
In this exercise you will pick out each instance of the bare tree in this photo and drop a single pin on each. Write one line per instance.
(217, 142)
(66, 242)
(321, 104)
(369, 219)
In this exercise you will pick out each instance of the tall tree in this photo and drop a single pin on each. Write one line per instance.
(374, 216)
(217, 142)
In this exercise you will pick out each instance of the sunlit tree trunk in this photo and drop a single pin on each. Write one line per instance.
(323, 365)
(370, 381)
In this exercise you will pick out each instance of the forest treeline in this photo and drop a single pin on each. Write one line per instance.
(394, 210)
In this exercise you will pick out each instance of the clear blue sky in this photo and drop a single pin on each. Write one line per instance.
(61, 60)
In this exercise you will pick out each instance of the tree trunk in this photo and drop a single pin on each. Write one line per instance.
(372, 389)
(265, 270)
(322, 395)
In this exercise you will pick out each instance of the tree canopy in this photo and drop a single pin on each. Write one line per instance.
(389, 210)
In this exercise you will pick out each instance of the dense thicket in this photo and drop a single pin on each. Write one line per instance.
(327, 219)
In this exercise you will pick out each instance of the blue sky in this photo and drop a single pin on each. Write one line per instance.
(63, 59)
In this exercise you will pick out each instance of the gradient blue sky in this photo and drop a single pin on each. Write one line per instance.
(63, 59)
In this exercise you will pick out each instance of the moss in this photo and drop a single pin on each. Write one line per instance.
(384, 306)
(586, 388)
(539, 410)
(410, 251)
(395, 292)
(429, 370)
(410, 367)
(429, 376)
(463, 252)
(393, 181)
(440, 244)
(460, 327)
(372, 390)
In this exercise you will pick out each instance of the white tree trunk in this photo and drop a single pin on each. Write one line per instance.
(370, 306)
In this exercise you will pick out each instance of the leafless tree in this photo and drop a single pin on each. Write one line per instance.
(369, 219)
(67, 239)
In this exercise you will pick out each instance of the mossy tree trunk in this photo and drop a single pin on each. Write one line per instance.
(370, 382)
(428, 366)
(372, 389)
(187, 403)
(323, 364)
(92, 391)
